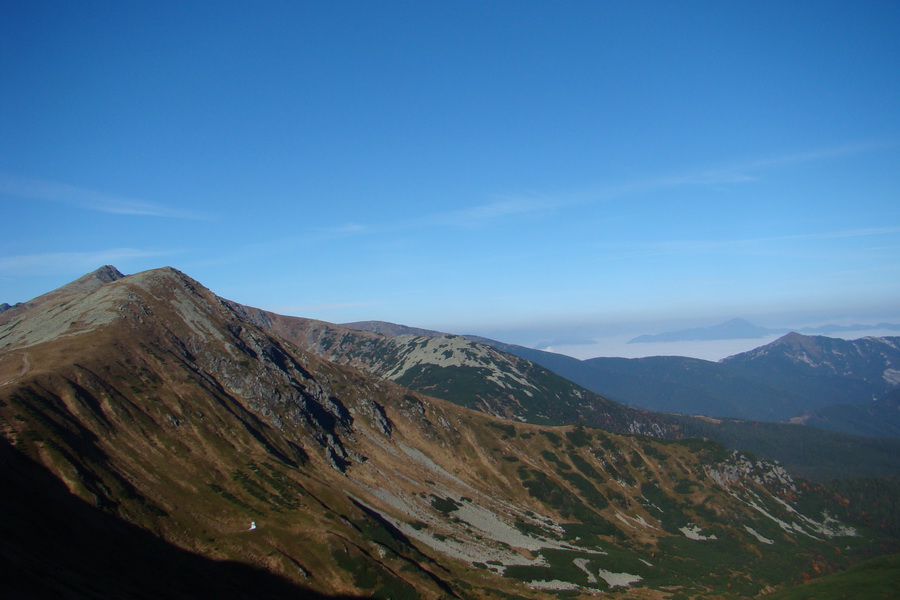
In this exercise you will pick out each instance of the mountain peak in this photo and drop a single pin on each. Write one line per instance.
(797, 341)
(84, 284)
(94, 279)
(736, 328)
(107, 273)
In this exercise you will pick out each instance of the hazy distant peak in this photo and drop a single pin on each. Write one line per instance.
(736, 328)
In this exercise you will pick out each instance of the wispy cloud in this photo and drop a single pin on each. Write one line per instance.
(37, 189)
(479, 215)
(738, 172)
(698, 246)
(502, 208)
(66, 262)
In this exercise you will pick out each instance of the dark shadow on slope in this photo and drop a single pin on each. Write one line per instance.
(54, 545)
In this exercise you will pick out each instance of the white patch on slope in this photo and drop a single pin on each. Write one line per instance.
(582, 564)
(618, 579)
(556, 584)
(758, 536)
(639, 520)
(693, 532)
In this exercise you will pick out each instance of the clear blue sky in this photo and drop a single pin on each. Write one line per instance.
(476, 167)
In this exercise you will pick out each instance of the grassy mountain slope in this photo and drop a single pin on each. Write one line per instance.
(158, 409)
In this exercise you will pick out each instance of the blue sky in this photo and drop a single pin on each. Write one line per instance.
(514, 169)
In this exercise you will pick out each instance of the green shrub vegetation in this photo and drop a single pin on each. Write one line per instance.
(878, 578)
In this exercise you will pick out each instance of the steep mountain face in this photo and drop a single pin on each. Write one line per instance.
(148, 413)
(461, 370)
(880, 417)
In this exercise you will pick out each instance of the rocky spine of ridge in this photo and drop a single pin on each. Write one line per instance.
(463, 371)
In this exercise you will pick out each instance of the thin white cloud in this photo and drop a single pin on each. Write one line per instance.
(480, 215)
(65, 262)
(691, 246)
(37, 189)
(536, 205)
(485, 214)
(735, 173)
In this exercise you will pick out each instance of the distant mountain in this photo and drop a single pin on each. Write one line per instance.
(822, 329)
(791, 376)
(157, 440)
(826, 370)
(730, 330)
(737, 329)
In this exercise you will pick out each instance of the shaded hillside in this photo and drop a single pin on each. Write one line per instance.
(157, 404)
(828, 370)
(53, 544)
(879, 418)
(804, 451)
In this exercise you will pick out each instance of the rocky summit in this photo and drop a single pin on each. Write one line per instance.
(161, 441)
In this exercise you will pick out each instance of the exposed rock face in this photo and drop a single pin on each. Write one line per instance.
(463, 371)
(159, 404)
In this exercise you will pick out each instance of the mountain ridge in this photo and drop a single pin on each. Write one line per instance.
(181, 415)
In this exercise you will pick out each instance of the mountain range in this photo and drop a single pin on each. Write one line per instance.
(790, 379)
(738, 328)
(161, 441)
